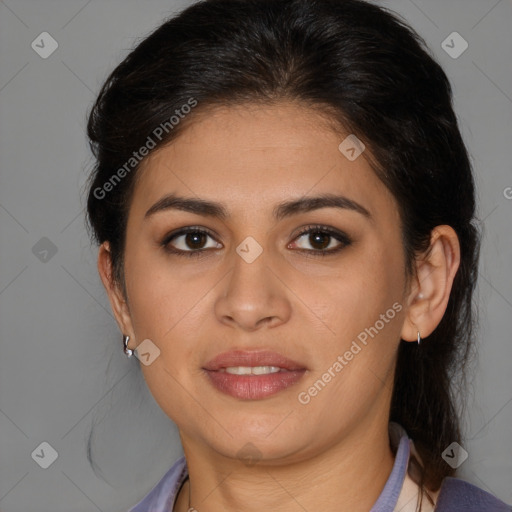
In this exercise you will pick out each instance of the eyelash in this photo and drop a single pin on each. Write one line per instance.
(325, 230)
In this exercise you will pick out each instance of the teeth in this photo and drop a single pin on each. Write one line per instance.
(251, 370)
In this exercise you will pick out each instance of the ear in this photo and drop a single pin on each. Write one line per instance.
(115, 294)
(432, 284)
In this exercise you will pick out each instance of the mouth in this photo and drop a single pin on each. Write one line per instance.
(252, 370)
(253, 375)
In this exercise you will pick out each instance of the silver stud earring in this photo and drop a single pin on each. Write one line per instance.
(419, 338)
(127, 350)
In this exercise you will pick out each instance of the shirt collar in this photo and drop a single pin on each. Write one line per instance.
(388, 498)
(163, 496)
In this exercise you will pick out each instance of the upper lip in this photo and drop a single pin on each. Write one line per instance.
(251, 358)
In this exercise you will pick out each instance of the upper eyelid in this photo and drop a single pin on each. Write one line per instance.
(185, 230)
(333, 232)
(339, 235)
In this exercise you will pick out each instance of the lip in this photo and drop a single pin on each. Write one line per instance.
(252, 358)
(253, 387)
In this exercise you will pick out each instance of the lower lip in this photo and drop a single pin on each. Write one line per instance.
(253, 387)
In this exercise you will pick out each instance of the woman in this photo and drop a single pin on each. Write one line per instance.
(285, 212)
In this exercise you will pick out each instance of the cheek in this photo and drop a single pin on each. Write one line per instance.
(164, 307)
(352, 298)
(161, 297)
(363, 308)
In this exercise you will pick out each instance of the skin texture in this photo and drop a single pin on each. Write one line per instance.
(333, 453)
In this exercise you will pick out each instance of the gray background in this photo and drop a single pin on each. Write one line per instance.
(61, 365)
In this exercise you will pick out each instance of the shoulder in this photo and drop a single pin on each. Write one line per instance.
(458, 495)
(161, 497)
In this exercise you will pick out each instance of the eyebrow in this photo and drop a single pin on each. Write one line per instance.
(280, 211)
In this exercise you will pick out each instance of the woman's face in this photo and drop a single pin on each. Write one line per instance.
(334, 306)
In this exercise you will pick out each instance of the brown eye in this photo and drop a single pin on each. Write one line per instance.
(323, 240)
(189, 242)
(319, 240)
(195, 240)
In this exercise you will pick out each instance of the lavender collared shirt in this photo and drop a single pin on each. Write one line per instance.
(455, 495)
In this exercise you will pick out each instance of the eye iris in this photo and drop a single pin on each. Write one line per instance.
(195, 239)
(314, 237)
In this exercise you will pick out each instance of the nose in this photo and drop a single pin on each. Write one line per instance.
(253, 296)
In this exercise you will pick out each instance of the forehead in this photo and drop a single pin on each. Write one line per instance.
(251, 157)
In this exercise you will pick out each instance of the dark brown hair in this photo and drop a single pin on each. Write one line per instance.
(366, 69)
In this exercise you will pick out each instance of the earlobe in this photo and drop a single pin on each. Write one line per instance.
(433, 281)
(113, 289)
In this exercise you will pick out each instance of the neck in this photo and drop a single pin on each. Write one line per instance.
(348, 476)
